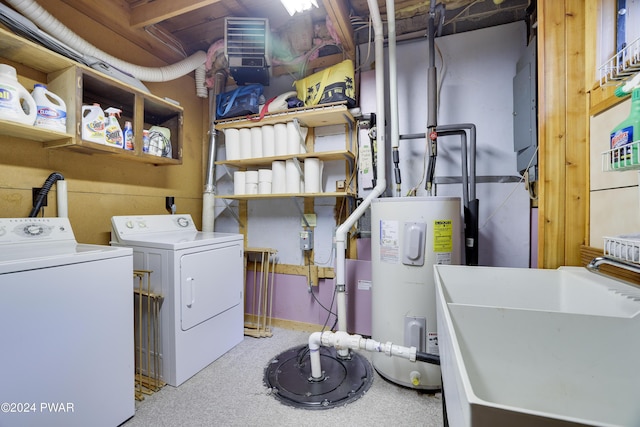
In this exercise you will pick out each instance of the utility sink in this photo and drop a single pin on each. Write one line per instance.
(533, 347)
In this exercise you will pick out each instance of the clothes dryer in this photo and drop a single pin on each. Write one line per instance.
(200, 276)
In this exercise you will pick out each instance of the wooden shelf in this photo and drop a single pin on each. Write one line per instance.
(264, 161)
(32, 133)
(320, 115)
(279, 196)
(80, 85)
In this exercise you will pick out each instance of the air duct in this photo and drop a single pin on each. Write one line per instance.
(47, 22)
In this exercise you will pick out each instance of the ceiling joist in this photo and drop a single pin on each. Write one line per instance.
(160, 10)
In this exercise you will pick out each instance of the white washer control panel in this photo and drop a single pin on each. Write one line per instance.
(21, 230)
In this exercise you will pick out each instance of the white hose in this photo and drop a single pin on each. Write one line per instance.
(48, 23)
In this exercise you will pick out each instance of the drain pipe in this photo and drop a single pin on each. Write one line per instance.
(58, 179)
(393, 95)
(47, 22)
(381, 184)
(208, 196)
(343, 341)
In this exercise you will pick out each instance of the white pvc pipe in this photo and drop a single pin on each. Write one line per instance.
(61, 198)
(47, 22)
(381, 184)
(342, 341)
(393, 76)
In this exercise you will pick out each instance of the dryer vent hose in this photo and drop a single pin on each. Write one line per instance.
(44, 191)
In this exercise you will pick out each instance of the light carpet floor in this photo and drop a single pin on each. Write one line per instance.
(230, 392)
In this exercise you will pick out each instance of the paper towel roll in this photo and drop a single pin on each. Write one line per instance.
(245, 143)
(264, 187)
(313, 175)
(293, 177)
(238, 183)
(232, 143)
(265, 175)
(256, 142)
(280, 135)
(251, 188)
(268, 141)
(278, 177)
(293, 139)
(251, 177)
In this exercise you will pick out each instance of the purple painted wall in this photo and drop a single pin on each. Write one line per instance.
(293, 301)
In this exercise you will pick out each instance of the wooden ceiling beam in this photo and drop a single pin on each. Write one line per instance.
(160, 10)
(339, 15)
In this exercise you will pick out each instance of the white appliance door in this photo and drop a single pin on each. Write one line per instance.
(209, 284)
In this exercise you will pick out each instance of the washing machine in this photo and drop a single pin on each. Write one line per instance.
(200, 277)
(66, 316)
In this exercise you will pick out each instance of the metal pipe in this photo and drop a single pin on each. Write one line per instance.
(393, 96)
(595, 264)
(208, 196)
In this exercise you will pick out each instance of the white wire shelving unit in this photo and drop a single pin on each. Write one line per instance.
(621, 66)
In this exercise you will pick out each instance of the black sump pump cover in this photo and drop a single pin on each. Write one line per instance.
(288, 376)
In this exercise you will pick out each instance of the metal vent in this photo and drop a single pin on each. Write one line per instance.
(246, 47)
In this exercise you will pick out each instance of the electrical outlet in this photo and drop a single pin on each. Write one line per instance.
(341, 185)
(34, 197)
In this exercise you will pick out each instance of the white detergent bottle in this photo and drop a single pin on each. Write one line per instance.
(12, 95)
(51, 109)
(93, 123)
(113, 132)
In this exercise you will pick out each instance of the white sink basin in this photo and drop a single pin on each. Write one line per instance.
(529, 347)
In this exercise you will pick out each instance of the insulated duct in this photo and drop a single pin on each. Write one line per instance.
(47, 22)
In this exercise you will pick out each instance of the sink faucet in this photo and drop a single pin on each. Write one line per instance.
(597, 261)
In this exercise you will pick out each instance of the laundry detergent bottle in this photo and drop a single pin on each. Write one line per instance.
(113, 132)
(51, 109)
(624, 150)
(16, 103)
(93, 123)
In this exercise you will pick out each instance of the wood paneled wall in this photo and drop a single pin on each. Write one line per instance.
(563, 129)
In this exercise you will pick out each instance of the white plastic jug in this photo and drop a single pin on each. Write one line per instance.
(12, 95)
(51, 110)
(93, 123)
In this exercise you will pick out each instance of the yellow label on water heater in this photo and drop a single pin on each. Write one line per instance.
(443, 235)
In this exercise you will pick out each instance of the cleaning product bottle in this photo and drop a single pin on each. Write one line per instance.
(93, 124)
(626, 136)
(113, 131)
(12, 93)
(51, 109)
(128, 136)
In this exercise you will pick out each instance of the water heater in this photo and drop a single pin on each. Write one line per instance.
(408, 236)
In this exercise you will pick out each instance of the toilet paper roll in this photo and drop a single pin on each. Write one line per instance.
(245, 143)
(278, 177)
(264, 187)
(251, 177)
(256, 142)
(293, 177)
(232, 144)
(238, 183)
(265, 175)
(280, 135)
(313, 175)
(251, 188)
(268, 141)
